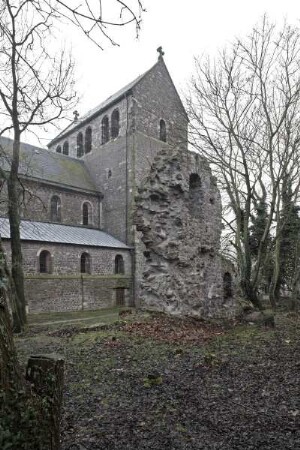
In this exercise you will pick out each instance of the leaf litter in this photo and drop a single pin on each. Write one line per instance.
(169, 383)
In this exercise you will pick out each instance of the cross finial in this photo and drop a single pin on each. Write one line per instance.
(76, 115)
(161, 52)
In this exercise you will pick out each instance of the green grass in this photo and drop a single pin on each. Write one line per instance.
(89, 318)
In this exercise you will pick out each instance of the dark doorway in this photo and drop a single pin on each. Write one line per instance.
(120, 297)
(227, 285)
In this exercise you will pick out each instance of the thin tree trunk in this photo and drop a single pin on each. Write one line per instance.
(19, 308)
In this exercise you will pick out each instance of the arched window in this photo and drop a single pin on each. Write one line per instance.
(227, 285)
(66, 148)
(58, 149)
(88, 140)
(162, 131)
(44, 262)
(115, 124)
(86, 213)
(85, 263)
(55, 209)
(79, 145)
(105, 130)
(119, 265)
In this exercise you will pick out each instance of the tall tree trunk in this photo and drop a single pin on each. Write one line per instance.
(275, 285)
(30, 412)
(19, 308)
(250, 293)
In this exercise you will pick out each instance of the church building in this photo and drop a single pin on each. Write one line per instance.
(117, 211)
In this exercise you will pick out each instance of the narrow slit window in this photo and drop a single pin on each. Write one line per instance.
(55, 209)
(105, 130)
(119, 265)
(86, 213)
(79, 145)
(115, 124)
(88, 140)
(85, 263)
(66, 148)
(162, 131)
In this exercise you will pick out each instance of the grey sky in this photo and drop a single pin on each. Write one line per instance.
(183, 28)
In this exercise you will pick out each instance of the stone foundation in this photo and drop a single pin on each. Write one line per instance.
(74, 293)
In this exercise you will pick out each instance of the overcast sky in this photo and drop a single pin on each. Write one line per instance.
(183, 28)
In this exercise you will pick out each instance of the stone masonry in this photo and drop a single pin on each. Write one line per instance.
(144, 188)
(179, 217)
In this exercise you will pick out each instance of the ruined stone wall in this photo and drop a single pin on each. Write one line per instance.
(178, 216)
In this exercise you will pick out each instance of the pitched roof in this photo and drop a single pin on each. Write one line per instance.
(39, 163)
(61, 234)
(101, 107)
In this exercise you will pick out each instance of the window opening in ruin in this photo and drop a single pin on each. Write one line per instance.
(105, 129)
(79, 145)
(119, 265)
(162, 131)
(227, 285)
(195, 195)
(88, 140)
(66, 148)
(44, 262)
(109, 173)
(115, 124)
(86, 213)
(120, 297)
(55, 209)
(85, 263)
(58, 149)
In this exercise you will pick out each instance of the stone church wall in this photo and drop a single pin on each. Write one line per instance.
(95, 124)
(65, 288)
(156, 98)
(108, 166)
(35, 204)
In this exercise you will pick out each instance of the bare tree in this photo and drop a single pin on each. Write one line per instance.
(36, 86)
(98, 18)
(245, 118)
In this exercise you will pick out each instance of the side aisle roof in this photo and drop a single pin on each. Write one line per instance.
(61, 234)
(40, 164)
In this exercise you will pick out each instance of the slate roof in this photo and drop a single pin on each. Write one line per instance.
(39, 163)
(101, 107)
(61, 234)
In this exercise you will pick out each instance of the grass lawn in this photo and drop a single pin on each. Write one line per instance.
(78, 318)
(153, 382)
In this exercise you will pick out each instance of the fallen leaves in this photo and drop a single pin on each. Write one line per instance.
(174, 330)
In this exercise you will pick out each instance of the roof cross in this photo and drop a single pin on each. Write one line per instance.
(161, 52)
(76, 115)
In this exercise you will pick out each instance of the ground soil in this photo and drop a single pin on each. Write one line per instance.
(163, 383)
